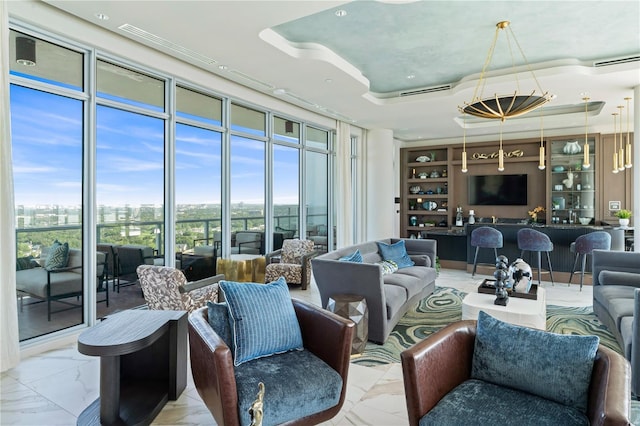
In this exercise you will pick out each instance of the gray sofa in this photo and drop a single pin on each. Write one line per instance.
(616, 302)
(388, 296)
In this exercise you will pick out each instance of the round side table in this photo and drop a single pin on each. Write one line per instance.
(353, 307)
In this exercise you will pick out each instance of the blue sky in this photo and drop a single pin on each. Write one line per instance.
(47, 158)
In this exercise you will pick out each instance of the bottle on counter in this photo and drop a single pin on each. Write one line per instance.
(459, 216)
(472, 218)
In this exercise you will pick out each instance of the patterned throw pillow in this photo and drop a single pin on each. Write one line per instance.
(58, 256)
(26, 262)
(388, 266)
(552, 366)
(262, 318)
(356, 257)
(396, 252)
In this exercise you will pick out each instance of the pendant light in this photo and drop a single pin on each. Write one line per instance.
(464, 144)
(541, 164)
(585, 161)
(615, 144)
(621, 149)
(628, 163)
(501, 151)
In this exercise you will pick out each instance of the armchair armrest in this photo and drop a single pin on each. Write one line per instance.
(194, 285)
(609, 392)
(213, 371)
(326, 335)
(635, 344)
(269, 257)
(436, 365)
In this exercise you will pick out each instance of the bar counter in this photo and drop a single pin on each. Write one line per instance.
(454, 245)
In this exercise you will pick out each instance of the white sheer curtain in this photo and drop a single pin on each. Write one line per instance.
(344, 203)
(10, 347)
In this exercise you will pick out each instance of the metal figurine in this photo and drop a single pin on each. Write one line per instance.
(256, 409)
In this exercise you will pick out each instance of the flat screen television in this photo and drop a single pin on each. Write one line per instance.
(498, 190)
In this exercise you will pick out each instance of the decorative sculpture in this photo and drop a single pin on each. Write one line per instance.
(520, 276)
(256, 409)
(501, 275)
(568, 182)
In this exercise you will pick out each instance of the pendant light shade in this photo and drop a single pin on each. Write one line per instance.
(26, 51)
(621, 149)
(464, 145)
(541, 164)
(628, 164)
(615, 143)
(585, 161)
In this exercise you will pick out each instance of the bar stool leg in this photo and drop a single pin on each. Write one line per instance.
(550, 268)
(475, 261)
(575, 263)
(584, 265)
(539, 268)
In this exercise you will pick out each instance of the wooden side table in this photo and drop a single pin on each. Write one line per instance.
(353, 307)
(143, 364)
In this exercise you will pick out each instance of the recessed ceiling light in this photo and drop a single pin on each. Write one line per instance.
(102, 16)
(328, 80)
(279, 92)
(411, 76)
(340, 13)
(223, 67)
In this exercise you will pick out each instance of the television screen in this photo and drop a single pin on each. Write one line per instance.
(498, 190)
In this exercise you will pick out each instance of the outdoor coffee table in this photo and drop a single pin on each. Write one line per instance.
(526, 312)
(242, 268)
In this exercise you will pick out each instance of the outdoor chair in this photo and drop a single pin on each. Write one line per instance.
(294, 262)
(248, 242)
(166, 288)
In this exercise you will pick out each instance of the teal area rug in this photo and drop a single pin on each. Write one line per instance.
(444, 306)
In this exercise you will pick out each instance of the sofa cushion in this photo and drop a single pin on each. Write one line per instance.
(476, 402)
(619, 278)
(604, 294)
(356, 257)
(291, 392)
(218, 315)
(626, 331)
(395, 297)
(262, 318)
(27, 262)
(409, 283)
(508, 355)
(396, 252)
(620, 308)
(58, 256)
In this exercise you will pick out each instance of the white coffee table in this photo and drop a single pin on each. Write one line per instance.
(527, 312)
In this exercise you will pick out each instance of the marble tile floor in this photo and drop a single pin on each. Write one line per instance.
(52, 388)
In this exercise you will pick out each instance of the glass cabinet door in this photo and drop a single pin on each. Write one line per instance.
(573, 199)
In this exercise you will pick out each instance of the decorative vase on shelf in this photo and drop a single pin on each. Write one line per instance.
(572, 148)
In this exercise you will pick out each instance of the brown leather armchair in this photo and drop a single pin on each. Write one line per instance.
(325, 334)
(436, 365)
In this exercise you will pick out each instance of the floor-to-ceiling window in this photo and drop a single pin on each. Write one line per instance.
(198, 185)
(317, 188)
(83, 120)
(47, 115)
(286, 179)
(130, 138)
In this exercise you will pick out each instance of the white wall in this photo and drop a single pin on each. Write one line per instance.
(380, 185)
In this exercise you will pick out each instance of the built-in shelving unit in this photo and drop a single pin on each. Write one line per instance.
(425, 190)
(573, 186)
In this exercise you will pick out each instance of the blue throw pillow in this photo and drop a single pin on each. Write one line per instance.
(553, 366)
(356, 257)
(262, 319)
(396, 252)
(218, 314)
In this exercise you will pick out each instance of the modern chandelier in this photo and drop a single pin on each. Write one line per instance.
(501, 107)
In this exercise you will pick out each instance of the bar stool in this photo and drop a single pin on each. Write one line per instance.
(536, 241)
(485, 237)
(584, 246)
